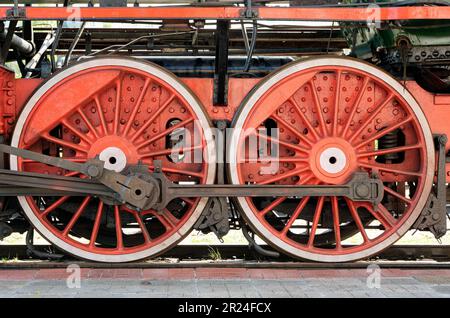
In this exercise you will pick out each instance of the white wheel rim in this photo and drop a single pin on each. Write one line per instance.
(250, 102)
(171, 80)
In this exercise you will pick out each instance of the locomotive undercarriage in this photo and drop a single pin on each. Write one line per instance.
(118, 141)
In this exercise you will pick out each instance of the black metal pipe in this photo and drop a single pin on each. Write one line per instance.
(21, 45)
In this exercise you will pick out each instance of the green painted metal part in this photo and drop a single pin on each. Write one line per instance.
(365, 40)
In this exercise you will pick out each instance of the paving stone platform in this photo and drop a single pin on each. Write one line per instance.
(224, 282)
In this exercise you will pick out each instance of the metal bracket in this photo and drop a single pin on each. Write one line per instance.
(434, 216)
(249, 12)
(215, 217)
(16, 12)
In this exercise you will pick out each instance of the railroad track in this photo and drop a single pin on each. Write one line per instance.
(239, 256)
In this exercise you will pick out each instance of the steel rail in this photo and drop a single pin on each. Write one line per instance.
(239, 256)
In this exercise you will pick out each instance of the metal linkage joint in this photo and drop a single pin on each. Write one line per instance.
(434, 216)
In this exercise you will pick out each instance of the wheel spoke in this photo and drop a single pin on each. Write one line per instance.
(169, 218)
(180, 171)
(372, 117)
(272, 205)
(118, 223)
(336, 221)
(317, 214)
(336, 103)
(137, 106)
(283, 159)
(140, 131)
(165, 132)
(76, 216)
(357, 219)
(318, 108)
(142, 226)
(284, 144)
(53, 206)
(397, 195)
(167, 152)
(355, 106)
(88, 123)
(291, 128)
(305, 120)
(383, 132)
(295, 215)
(117, 106)
(383, 216)
(188, 201)
(72, 174)
(76, 132)
(101, 115)
(96, 228)
(391, 170)
(64, 143)
(389, 151)
(294, 172)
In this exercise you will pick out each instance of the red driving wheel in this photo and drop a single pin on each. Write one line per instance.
(324, 119)
(125, 112)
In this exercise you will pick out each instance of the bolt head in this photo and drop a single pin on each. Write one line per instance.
(93, 171)
(362, 190)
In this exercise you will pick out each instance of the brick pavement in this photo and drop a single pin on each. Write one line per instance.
(225, 282)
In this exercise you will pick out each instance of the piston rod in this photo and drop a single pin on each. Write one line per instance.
(21, 45)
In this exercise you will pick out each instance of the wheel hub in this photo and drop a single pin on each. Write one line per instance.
(115, 151)
(333, 160)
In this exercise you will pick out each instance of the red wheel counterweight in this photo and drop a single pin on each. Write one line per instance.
(331, 117)
(126, 112)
